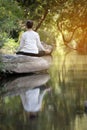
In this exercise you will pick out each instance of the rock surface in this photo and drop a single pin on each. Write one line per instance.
(12, 63)
(24, 64)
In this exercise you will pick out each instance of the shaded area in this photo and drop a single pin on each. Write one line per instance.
(16, 85)
(12, 112)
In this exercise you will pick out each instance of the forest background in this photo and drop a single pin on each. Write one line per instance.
(61, 23)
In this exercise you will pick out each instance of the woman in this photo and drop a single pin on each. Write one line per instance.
(30, 42)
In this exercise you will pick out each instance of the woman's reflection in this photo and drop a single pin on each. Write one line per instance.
(32, 100)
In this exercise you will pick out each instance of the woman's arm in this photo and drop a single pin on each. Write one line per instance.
(40, 46)
(21, 43)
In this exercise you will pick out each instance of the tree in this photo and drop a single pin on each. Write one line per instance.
(43, 13)
(50, 17)
(11, 15)
(72, 22)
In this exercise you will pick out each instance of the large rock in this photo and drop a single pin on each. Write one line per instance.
(24, 64)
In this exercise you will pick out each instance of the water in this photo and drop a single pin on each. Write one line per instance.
(58, 97)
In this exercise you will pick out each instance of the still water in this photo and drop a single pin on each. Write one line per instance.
(46, 101)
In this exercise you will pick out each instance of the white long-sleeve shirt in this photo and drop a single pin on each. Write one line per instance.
(30, 42)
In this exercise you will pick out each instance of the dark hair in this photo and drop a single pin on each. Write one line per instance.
(29, 24)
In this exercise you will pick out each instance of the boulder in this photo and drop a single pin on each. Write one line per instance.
(13, 63)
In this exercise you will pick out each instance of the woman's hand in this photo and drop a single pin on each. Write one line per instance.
(47, 51)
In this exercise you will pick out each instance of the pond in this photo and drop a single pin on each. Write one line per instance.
(46, 101)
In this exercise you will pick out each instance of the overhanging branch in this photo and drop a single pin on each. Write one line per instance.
(41, 20)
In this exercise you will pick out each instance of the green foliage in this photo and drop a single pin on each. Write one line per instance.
(9, 46)
(10, 14)
(49, 16)
(74, 14)
(72, 23)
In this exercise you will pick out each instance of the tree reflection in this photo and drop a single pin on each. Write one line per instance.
(13, 115)
(62, 109)
(69, 90)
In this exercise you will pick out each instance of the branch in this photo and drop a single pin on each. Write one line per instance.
(41, 20)
(67, 41)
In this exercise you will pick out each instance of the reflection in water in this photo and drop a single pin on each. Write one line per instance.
(81, 122)
(64, 108)
(17, 85)
(69, 90)
(32, 99)
(20, 95)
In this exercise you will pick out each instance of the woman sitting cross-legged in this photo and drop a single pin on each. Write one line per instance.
(30, 43)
